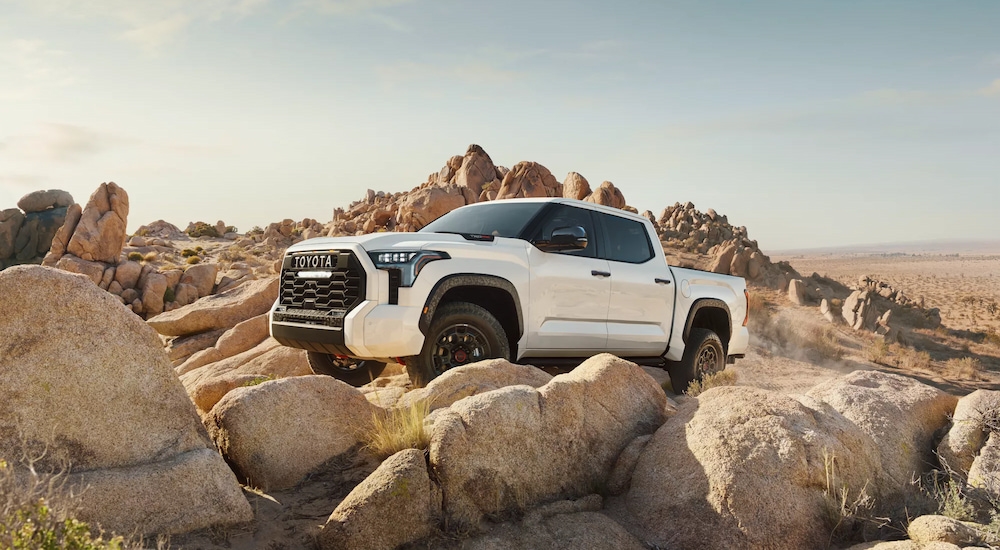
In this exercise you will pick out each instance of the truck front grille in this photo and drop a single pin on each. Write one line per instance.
(320, 287)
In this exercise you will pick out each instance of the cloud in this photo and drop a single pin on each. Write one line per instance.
(992, 90)
(475, 74)
(155, 35)
(64, 143)
(30, 66)
(337, 7)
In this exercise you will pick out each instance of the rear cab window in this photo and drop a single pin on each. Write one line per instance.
(625, 240)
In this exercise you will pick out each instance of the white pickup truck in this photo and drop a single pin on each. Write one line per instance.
(536, 281)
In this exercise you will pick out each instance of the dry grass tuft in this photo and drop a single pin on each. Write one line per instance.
(876, 351)
(151, 256)
(911, 359)
(398, 429)
(966, 368)
(824, 341)
(721, 378)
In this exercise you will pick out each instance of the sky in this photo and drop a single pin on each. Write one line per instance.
(812, 123)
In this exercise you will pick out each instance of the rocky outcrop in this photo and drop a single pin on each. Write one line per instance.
(608, 195)
(683, 230)
(396, 504)
(99, 235)
(108, 405)
(25, 237)
(509, 449)
(219, 310)
(276, 432)
(575, 186)
(985, 470)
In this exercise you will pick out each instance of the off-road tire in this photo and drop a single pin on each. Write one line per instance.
(461, 333)
(355, 372)
(703, 355)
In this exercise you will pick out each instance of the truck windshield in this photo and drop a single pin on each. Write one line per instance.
(502, 219)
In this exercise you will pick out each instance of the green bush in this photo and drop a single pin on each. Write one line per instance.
(169, 296)
(202, 229)
(194, 260)
(30, 518)
(187, 252)
(135, 256)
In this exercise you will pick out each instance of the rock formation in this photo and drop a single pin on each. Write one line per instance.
(26, 232)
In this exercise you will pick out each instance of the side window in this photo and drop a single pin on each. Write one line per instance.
(627, 240)
(562, 215)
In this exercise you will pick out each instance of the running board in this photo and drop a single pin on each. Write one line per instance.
(574, 361)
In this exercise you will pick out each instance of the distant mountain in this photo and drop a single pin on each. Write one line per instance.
(933, 247)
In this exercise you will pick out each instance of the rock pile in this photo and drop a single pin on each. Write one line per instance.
(463, 180)
(682, 227)
(26, 232)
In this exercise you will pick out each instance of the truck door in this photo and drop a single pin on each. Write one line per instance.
(569, 290)
(642, 289)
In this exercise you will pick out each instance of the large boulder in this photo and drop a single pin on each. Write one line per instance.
(424, 205)
(932, 528)
(10, 224)
(275, 433)
(529, 179)
(575, 186)
(985, 470)
(202, 277)
(88, 382)
(900, 414)
(608, 195)
(35, 236)
(969, 430)
(62, 236)
(476, 171)
(219, 379)
(740, 467)
(217, 311)
(473, 379)
(39, 201)
(511, 448)
(398, 503)
(100, 233)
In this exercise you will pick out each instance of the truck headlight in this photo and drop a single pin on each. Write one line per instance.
(407, 262)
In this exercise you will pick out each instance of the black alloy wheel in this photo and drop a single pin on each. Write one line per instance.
(703, 355)
(460, 334)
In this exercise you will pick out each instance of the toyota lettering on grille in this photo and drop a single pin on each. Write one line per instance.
(313, 262)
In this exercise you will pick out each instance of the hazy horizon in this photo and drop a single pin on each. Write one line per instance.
(819, 124)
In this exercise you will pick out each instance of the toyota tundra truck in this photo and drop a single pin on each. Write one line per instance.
(536, 281)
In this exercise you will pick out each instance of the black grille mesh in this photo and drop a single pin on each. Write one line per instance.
(341, 292)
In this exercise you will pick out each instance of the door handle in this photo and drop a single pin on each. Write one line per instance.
(661, 281)
(597, 273)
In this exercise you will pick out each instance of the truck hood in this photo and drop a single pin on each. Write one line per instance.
(388, 241)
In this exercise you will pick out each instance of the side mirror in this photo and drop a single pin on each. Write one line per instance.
(564, 238)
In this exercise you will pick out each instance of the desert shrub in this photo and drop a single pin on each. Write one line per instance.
(201, 229)
(33, 515)
(876, 351)
(193, 260)
(135, 256)
(199, 249)
(721, 378)
(824, 341)
(232, 229)
(168, 295)
(400, 428)
(233, 254)
(992, 338)
(952, 502)
(187, 253)
(967, 368)
(151, 256)
(255, 230)
(143, 231)
(911, 359)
